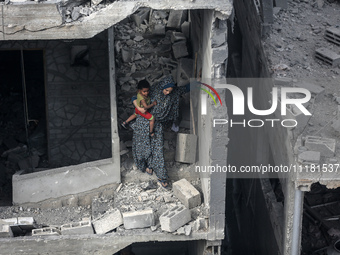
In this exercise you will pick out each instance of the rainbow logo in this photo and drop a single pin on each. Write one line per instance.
(204, 98)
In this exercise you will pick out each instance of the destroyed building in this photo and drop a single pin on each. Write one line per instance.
(69, 184)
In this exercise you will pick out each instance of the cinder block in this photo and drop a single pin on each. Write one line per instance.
(107, 222)
(186, 193)
(139, 219)
(49, 231)
(180, 49)
(309, 157)
(140, 16)
(5, 231)
(174, 218)
(325, 146)
(333, 35)
(26, 223)
(176, 18)
(186, 148)
(78, 228)
(328, 56)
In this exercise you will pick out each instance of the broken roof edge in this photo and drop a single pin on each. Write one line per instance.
(33, 27)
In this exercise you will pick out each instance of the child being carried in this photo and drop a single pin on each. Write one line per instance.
(142, 105)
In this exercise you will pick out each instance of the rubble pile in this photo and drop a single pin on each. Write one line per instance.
(133, 206)
(151, 44)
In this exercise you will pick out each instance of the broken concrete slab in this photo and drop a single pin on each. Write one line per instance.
(325, 146)
(176, 18)
(186, 193)
(139, 219)
(128, 55)
(49, 231)
(77, 228)
(140, 16)
(316, 90)
(107, 222)
(283, 81)
(174, 218)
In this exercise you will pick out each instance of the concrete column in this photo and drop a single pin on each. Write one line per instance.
(113, 103)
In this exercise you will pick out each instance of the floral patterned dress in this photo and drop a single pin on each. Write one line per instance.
(148, 151)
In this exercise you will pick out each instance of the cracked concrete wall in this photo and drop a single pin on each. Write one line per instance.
(207, 30)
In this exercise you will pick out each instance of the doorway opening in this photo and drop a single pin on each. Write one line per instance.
(23, 143)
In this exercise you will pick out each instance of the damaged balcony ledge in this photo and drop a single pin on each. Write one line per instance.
(61, 182)
(90, 244)
(44, 21)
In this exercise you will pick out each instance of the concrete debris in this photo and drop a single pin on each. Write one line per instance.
(176, 18)
(180, 49)
(187, 193)
(78, 228)
(139, 219)
(5, 231)
(140, 16)
(174, 218)
(108, 222)
(48, 231)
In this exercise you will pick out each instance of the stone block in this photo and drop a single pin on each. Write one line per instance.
(176, 18)
(49, 231)
(177, 36)
(139, 219)
(5, 231)
(333, 35)
(107, 222)
(140, 16)
(186, 193)
(174, 218)
(26, 223)
(325, 146)
(77, 228)
(180, 49)
(309, 157)
(328, 56)
(186, 148)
